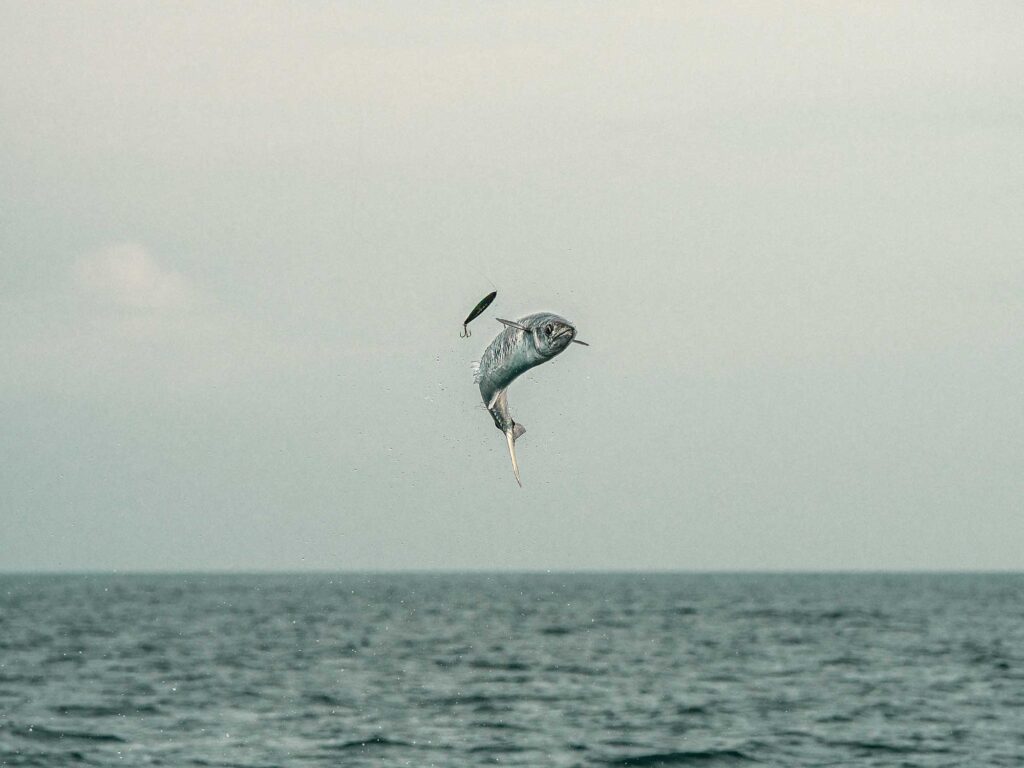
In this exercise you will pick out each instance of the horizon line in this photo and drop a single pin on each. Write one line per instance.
(508, 571)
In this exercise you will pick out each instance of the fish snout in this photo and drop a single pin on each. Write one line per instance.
(565, 330)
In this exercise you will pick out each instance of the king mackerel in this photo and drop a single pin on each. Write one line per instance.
(522, 345)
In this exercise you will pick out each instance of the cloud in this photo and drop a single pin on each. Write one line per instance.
(119, 321)
(122, 322)
(127, 275)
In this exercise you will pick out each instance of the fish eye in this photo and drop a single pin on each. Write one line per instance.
(548, 329)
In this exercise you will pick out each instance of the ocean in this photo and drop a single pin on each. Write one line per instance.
(513, 669)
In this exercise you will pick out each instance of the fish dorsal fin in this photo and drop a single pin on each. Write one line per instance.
(475, 365)
(498, 399)
(510, 324)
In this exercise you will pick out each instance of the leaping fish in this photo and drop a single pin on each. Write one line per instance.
(522, 344)
(483, 304)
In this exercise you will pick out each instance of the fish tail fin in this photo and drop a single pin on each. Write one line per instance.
(511, 436)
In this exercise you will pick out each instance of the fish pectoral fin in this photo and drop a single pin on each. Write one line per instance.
(510, 324)
(510, 437)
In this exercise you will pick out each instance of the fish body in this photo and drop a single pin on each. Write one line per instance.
(522, 345)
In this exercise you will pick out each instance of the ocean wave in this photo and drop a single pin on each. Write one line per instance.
(497, 749)
(321, 699)
(370, 743)
(99, 710)
(41, 733)
(497, 725)
(501, 666)
(556, 630)
(574, 669)
(696, 757)
(881, 677)
(879, 747)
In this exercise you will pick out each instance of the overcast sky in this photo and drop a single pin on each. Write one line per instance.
(237, 242)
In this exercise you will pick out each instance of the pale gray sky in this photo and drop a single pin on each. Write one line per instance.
(237, 242)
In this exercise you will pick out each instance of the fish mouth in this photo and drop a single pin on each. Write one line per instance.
(567, 331)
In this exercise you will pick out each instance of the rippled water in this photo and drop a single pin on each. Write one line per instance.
(527, 670)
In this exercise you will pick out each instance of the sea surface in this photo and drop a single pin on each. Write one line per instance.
(523, 670)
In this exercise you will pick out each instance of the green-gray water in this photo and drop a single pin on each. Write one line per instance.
(525, 670)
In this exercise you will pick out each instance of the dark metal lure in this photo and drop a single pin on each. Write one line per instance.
(485, 302)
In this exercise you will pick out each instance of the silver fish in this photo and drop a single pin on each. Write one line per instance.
(523, 344)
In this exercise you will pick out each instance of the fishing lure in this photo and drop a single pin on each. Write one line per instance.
(485, 302)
